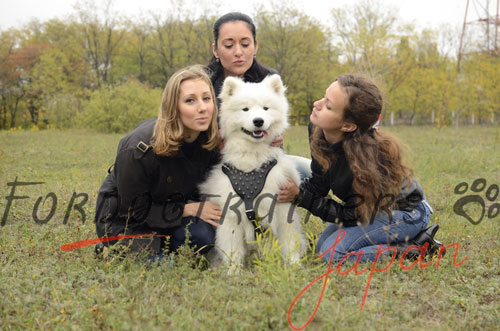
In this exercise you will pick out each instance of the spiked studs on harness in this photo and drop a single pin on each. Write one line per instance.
(248, 185)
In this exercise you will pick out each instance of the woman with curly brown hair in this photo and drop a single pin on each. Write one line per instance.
(376, 199)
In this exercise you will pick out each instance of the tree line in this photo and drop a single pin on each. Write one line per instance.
(100, 70)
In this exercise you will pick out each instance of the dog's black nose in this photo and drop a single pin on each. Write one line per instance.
(258, 122)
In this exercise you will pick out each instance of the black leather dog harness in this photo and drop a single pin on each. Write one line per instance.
(248, 185)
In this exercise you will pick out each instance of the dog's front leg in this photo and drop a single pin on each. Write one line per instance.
(286, 227)
(231, 245)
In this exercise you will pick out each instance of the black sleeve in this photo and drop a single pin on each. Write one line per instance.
(328, 209)
(134, 176)
(165, 215)
(318, 182)
(313, 197)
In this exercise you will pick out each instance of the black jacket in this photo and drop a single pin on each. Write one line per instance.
(338, 178)
(145, 193)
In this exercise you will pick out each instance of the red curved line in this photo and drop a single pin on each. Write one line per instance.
(88, 242)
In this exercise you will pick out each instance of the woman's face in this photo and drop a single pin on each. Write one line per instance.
(235, 48)
(328, 112)
(196, 107)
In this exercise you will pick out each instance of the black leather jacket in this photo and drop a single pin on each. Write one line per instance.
(338, 178)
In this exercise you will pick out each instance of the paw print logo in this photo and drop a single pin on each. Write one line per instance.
(478, 186)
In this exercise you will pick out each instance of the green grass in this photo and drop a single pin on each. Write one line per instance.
(42, 287)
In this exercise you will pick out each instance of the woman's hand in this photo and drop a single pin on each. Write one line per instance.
(206, 210)
(288, 192)
(277, 141)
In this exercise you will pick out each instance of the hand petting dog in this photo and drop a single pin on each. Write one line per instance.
(288, 192)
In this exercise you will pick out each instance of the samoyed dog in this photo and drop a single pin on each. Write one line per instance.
(247, 180)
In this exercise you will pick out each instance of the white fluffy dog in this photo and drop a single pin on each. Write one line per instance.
(251, 115)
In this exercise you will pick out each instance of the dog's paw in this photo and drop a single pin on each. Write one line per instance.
(295, 259)
(233, 270)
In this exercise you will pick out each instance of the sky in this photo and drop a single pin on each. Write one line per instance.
(424, 13)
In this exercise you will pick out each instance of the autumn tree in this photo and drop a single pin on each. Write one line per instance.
(9, 93)
(298, 48)
(100, 36)
(71, 70)
(17, 82)
(58, 94)
(137, 53)
(366, 33)
(479, 87)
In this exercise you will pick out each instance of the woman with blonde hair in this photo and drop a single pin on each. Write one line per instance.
(376, 199)
(152, 188)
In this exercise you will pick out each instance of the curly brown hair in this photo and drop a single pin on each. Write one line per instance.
(375, 158)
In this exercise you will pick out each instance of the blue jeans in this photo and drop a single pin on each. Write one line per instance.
(201, 238)
(302, 164)
(367, 238)
(201, 235)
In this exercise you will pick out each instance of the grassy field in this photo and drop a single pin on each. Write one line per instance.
(42, 287)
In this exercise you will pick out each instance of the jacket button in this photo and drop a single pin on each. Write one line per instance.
(170, 179)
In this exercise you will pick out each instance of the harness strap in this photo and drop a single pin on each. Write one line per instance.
(248, 185)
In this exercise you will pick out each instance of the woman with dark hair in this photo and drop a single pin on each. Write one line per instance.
(234, 51)
(376, 199)
(234, 54)
(152, 188)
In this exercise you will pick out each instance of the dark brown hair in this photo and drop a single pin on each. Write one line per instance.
(214, 66)
(375, 159)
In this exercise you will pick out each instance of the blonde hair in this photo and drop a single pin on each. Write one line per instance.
(169, 130)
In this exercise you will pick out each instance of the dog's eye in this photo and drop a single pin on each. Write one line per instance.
(245, 109)
(266, 108)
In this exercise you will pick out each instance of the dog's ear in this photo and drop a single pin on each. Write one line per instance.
(231, 85)
(274, 81)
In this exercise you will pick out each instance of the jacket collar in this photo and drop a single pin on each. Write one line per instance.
(196, 145)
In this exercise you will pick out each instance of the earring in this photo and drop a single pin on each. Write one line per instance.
(217, 59)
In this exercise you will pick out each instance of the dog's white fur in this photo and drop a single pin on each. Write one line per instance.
(241, 104)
